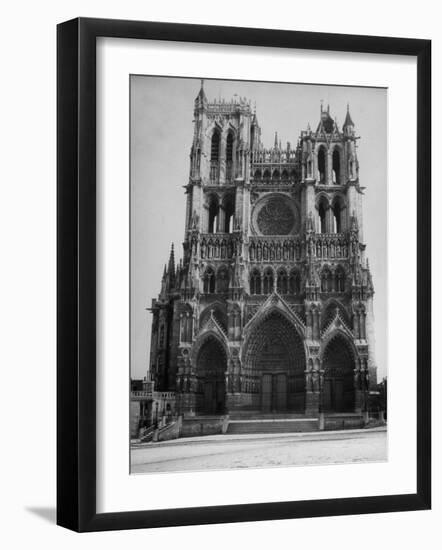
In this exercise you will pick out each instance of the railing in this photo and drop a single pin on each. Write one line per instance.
(141, 394)
(280, 156)
(218, 246)
(169, 395)
(225, 107)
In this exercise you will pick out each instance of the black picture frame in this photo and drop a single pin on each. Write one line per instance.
(76, 274)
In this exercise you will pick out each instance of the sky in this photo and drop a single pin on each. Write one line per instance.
(161, 136)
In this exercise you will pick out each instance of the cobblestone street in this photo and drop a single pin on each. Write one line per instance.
(260, 451)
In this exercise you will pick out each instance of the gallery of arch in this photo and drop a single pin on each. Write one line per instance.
(270, 309)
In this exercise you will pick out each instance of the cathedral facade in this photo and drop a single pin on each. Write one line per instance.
(271, 308)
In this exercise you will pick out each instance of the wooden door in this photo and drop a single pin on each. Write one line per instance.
(280, 383)
(266, 392)
(220, 397)
(209, 397)
(339, 404)
(327, 402)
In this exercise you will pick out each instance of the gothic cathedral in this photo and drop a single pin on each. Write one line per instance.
(271, 308)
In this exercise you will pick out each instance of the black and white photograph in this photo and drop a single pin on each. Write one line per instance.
(220, 235)
(258, 274)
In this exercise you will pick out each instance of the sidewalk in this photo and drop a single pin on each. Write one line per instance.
(227, 438)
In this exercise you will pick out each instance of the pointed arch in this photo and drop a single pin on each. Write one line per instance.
(229, 146)
(209, 281)
(274, 357)
(222, 280)
(338, 209)
(329, 310)
(229, 155)
(210, 369)
(229, 212)
(268, 280)
(322, 164)
(338, 363)
(215, 144)
(274, 303)
(326, 280)
(282, 281)
(336, 166)
(255, 282)
(295, 282)
(340, 279)
(213, 213)
(217, 310)
(323, 207)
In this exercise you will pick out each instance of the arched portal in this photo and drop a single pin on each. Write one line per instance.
(275, 364)
(338, 364)
(211, 365)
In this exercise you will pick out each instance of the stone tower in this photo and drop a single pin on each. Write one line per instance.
(270, 309)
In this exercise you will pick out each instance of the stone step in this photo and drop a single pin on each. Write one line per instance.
(257, 415)
(263, 426)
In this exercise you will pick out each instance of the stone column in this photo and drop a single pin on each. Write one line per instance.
(329, 168)
(221, 219)
(313, 388)
(222, 159)
(234, 397)
(329, 220)
(310, 201)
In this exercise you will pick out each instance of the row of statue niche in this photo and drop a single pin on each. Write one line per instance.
(314, 380)
(329, 248)
(216, 247)
(288, 250)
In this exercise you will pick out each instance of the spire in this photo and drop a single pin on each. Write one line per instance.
(171, 266)
(276, 140)
(326, 123)
(201, 98)
(348, 121)
(164, 273)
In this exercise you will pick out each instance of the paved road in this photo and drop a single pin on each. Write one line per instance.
(260, 451)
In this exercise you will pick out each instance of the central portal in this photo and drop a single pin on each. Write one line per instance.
(275, 360)
(274, 363)
(274, 392)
